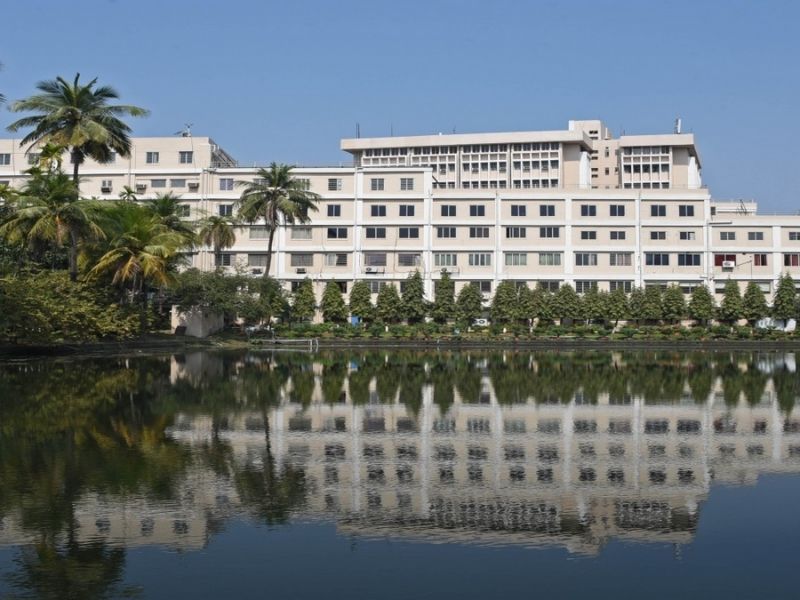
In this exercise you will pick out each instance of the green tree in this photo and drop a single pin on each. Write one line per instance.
(469, 304)
(652, 308)
(542, 304)
(504, 303)
(169, 211)
(701, 304)
(276, 198)
(636, 304)
(127, 194)
(361, 301)
(444, 299)
(673, 303)
(754, 304)
(304, 302)
(78, 117)
(566, 303)
(617, 307)
(389, 308)
(333, 307)
(414, 307)
(526, 304)
(730, 309)
(784, 305)
(593, 305)
(48, 209)
(218, 233)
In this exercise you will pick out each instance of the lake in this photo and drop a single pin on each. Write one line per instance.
(401, 474)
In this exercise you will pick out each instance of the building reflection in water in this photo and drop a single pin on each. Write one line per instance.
(546, 469)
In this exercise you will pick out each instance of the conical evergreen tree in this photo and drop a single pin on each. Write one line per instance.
(444, 304)
(361, 302)
(414, 309)
(333, 307)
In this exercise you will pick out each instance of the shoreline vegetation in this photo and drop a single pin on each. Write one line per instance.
(78, 272)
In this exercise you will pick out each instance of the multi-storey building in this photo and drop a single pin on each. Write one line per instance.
(538, 208)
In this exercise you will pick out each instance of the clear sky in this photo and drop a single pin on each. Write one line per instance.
(285, 81)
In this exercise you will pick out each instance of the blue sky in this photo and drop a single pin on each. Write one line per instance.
(285, 81)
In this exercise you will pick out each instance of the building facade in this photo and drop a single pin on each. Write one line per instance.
(575, 206)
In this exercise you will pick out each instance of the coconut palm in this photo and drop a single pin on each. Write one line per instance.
(77, 117)
(276, 198)
(49, 209)
(127, 194)
(168, 210)
(142, 253)
(217, 232)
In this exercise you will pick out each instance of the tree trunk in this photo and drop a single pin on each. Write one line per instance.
(269, 251)
(73, 256)
(75, 167)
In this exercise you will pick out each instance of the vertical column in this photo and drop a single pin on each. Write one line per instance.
(498, 236)
(358, 211)
(777, 259)
(427, 232)
(708, 259)
(426, 425)
(639, 258)
(357, 420)
(569, 258)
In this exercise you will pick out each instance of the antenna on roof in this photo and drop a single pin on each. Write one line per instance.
(186, 131)
(391, 129)
(678, 125)
(358, 130)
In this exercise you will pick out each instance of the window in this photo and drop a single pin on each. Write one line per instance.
(259, 232)
(376, 184)
(334, 184)
(406, 210)
(225, 210)
(689, 259)
(658, 235)
(480, 259)
(794, 236)
(223, 259)
(588, 210)
(337, 233)
(755, 236)
(5, 159)
(723, 258)
(760, 260)
(256, 260)
(549, 285)
(105, 185)
(177, 183)
(334, 210)
(301, 260)
(655, 259)
(151, 158)
(376, 233)
(476, 210)
(687, 236)
(617, 235)
(620, 259)
(585, 259)
(549, 259)
(516, 259)
(658, 210)
(445, 259)
(408, 260)
(581, 287)
(377, 210)
(685, 210)
(518, 210)
(375, 259)
(409, 233)
(727, 236)
(298, 233)
(184, 211)
(376, 286)
(158, 183)
(516, 232)
(335, 260)
(185, 157)
(547, 210)
(445, 232)
(616, 210)
(303, 183)
(448, 210)
(549, 232)
(626, 286)
(33, 158)
(226, 184)
(791, 260)
(588, 235)
(479, 232)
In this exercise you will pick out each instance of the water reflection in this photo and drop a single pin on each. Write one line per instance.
(571, 449)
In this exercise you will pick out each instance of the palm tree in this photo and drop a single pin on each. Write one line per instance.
(49, 209)
(77, 117)
(168, 210)
(217, 232)
(127, 194)
(277, 198)
(141, 254)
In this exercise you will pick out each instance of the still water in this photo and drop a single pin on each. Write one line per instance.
(396, 474)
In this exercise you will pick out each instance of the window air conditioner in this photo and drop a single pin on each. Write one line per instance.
(140, 187)
(193, 185)
(257, 271)
(728, 264)
(301, 270)
(106, 189)
(370, 270)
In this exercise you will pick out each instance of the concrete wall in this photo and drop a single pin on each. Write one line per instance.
(198, 323)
